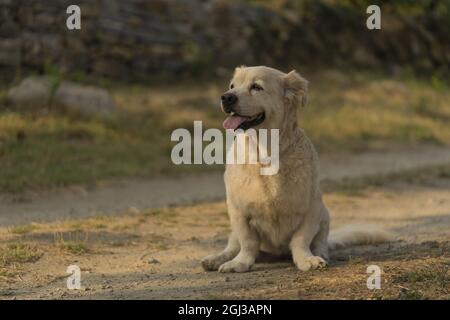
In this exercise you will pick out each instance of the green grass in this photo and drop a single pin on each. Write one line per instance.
(346, 113)
(74, 247)
(23, 229)
(18, 253)
(437, 276)
(75, 242)
(357, 111)
(411, 295)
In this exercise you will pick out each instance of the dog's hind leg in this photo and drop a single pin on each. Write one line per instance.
(319, 245)
(214, 261)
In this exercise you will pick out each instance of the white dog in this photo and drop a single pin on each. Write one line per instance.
(282, 213)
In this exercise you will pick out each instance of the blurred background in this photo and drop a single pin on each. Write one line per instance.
(84, 106)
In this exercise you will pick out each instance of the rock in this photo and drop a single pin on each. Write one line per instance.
(153, 261)
(133, 210)
(10, 52)
(31, 93)
(86, 100)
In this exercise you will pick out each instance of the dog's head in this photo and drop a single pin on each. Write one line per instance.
(262, 97)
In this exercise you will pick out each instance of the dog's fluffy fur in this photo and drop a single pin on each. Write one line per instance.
(283, 213)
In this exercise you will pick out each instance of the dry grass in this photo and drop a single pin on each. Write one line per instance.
(74, 242)
(23, 229)
(355, 112)
(15, 253)
(346, 112)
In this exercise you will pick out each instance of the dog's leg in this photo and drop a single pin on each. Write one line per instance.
(214, 261)
(249, 241)
(319, 245)
(301, 241)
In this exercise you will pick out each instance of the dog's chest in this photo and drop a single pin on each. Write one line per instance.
(272, 204)
(268, 211)
(267, 201)
(249, 192)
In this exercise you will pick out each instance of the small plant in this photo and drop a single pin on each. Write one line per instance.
(3, 98)
(19, 253)
(54, 73)
(411, 295)
(23, 229)
(74, 247)
(439, 276)
(72, 242)
(99, 226)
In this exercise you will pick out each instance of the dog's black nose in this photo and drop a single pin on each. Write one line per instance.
(228, 100)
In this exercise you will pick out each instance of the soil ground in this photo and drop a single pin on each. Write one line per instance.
(151, 253)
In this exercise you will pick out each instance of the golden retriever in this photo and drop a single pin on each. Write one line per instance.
(282, 213)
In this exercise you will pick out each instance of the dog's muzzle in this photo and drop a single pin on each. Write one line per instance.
(228, 100)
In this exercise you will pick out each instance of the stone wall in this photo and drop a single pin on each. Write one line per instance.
(138, 39)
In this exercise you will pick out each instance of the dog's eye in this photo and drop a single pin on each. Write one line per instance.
(256, 87)
(231, 86)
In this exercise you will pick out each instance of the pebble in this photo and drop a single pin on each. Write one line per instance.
(133, 210)
(153, 261)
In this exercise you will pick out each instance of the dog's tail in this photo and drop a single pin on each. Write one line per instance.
(357, 235)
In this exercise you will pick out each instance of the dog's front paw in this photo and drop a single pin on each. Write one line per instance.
(212, 262)
(310, 263)
(234, 266)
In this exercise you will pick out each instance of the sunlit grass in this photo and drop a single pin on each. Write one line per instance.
(23, 229)
(18, 253)
(72, 242)
(346, 112)
(353, 112)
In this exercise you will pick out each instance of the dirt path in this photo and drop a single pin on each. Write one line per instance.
(155, 254)
(141, 194)
(151, 253)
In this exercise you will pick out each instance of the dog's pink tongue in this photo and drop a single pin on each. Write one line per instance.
(232, 122)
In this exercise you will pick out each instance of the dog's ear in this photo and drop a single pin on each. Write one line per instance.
(239, 68)
(295, 88)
